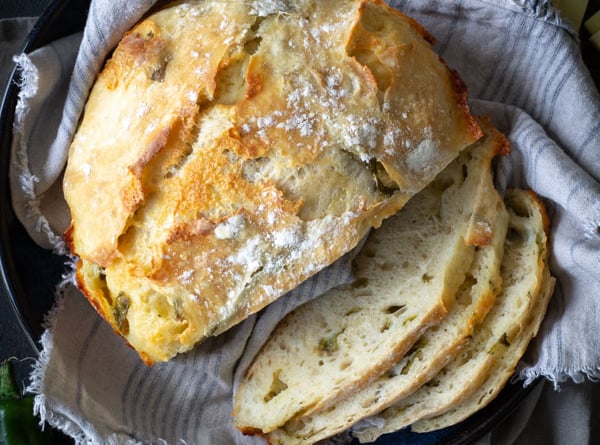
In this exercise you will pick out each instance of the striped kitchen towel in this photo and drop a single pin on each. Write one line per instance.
(522, 66)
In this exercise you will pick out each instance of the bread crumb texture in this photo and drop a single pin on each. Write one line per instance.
(230, 150)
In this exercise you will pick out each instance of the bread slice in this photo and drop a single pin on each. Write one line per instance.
(438, 346)
(407, 275)
(511, 355)
(230, 150)
(440, 343)
(478, 373)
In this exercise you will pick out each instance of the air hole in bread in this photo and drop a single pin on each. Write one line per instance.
(301, 173)
(345, 364)
(385, 184)
(172, 169)
(254, 274)
(158, 71)
(179, 314)
(252, 45)
(99, 276)
(520, 208)
(107, 295)
(381, 73)
(369, 56)
(408, 365)
(277, 386)
(465, 356)
(353, 311)
(515, 237)
(231, 81)
(433, 383)
(464, 294)
(360, 283)
(256, 25)
(395, 309)
(126, 240)
(386, 326)
(481, 399)
(230, 155)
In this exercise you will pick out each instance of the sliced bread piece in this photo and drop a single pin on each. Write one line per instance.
(525, 202)
(441, 342)
(407, 276)
(497, 343)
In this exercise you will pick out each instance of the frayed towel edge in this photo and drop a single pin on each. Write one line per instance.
(557, 378)
(28, 88)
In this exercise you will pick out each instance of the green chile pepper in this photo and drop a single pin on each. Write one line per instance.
(18, 425)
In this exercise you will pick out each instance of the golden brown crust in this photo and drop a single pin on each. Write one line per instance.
(413, 23)
(460, 90)
(212, 172)
(483, 218)
(542, 210)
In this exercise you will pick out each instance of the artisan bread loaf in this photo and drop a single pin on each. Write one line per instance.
(230, 150)
(407, 276)
(482, 368)
(434, 349)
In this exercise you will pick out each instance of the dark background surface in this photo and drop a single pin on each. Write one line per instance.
(22, 8)
(591, 55)
(12, 341)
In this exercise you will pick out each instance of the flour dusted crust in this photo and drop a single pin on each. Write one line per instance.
(230, 150)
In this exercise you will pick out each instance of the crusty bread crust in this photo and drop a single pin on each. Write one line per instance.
(228, 151)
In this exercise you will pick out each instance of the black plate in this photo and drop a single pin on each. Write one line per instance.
(30, 274)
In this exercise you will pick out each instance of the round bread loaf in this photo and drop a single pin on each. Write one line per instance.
(230, 150)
